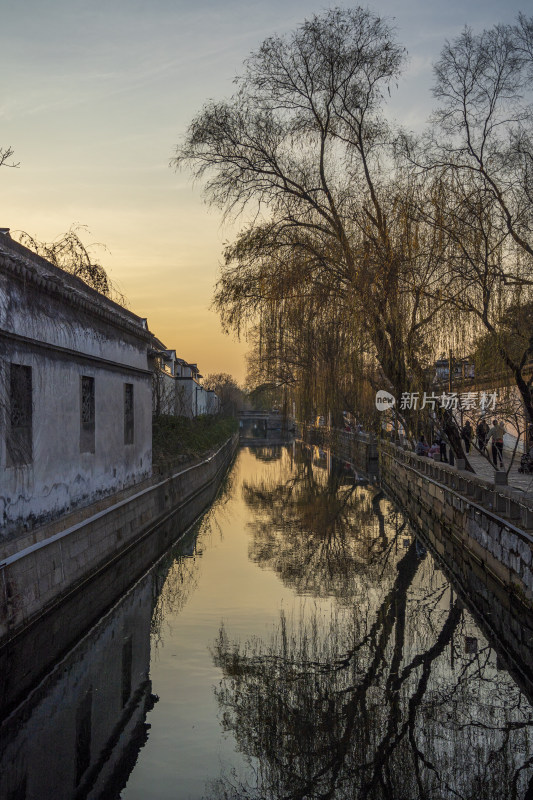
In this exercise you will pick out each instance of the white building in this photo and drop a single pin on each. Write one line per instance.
(75, 392)
(177, 386)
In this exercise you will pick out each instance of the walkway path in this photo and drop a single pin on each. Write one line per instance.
(516, 479)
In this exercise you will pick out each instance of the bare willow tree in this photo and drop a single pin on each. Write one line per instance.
(304, 144)
(482, 151)
(69, 253)
(6, 154)
(229, 393)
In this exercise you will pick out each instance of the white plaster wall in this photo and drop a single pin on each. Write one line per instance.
(185, 397)
(164, 393)
(212, 403)
(202, 407)
(60, 477)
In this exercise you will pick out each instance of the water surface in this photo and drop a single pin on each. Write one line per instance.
(300, 642)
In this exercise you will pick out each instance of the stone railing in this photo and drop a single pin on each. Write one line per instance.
(491, 495)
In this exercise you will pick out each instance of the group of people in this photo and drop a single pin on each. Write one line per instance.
(484, 434)
(438, 447)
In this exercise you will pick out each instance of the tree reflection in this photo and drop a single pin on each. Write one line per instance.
(389, 691)
(177, 572)
(175, 580)
(331, 708)
(267, 452)
(318, 533)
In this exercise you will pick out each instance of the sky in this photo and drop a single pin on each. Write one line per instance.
(94, 98)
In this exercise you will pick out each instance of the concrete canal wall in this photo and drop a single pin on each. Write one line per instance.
(39, 577)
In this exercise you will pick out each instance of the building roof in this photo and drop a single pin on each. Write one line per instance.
(24, 264)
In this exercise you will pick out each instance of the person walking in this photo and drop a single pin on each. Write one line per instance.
(442, 444)
(496, 433)
(466, 435)
(482, 430)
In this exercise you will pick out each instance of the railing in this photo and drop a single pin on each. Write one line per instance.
(490, 497)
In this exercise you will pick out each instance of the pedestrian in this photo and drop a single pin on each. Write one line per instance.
(466, 434)
(434, 451)
(482, 430)
(442, 445)
(422, 447)
(496, 433)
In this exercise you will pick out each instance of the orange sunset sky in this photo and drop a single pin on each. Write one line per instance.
(94, 99)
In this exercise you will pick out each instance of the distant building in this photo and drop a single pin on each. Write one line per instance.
(75, 391)
(177, 386)
(463, 369)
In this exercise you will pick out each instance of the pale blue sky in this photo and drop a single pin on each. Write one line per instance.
(94, 97)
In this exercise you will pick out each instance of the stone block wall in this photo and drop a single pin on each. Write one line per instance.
(459, 509)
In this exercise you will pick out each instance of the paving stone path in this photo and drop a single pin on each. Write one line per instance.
(485, 469)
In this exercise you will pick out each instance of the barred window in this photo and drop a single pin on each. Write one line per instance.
(19, 439)
(87, 415)
(128, 413)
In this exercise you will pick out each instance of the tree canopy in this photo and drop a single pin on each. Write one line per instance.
(360, 243)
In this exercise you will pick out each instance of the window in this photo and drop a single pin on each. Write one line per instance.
(19, 440)
(128, 413)
(87, 415)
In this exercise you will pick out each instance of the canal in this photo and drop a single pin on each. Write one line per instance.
(299, 642)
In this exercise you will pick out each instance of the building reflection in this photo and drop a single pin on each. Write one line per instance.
(74, 731)
(384, 686)
(78, 733)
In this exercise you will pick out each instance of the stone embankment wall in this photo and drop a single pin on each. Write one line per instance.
(495, 523)
(483, 534)
(37, 578)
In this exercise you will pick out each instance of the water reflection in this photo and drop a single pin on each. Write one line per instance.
(392, 694)
(345, 665)
(271, 453)
(398, 708)
(318, 533)
(79, 731)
